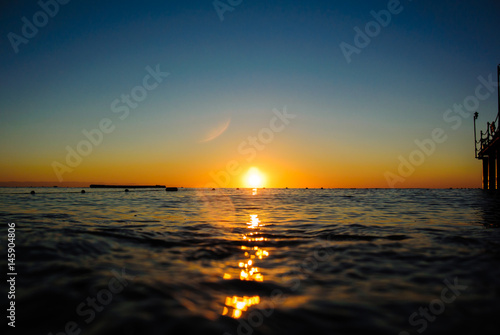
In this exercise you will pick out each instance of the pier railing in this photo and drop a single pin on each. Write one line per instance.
(489, 147)
(487, 137)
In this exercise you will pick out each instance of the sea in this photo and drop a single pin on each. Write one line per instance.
(250, 261)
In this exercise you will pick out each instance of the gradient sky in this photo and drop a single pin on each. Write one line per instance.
(352, 120)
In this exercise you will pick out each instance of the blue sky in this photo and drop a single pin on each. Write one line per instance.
(264, 55)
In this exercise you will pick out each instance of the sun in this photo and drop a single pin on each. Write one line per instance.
(254, 178)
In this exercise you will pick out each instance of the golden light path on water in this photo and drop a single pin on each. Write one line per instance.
(236, 305)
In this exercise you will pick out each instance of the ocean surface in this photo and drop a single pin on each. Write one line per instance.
(266, 261)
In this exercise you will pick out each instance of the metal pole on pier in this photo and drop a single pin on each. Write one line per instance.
(498, 86)
(476, 114)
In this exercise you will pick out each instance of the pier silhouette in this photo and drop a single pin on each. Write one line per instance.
(488, 147)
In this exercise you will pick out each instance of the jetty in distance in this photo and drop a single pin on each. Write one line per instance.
(126, 186)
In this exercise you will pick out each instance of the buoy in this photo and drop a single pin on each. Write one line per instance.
(126, 190)
(213, 189)
(32, 192)
(83, 191)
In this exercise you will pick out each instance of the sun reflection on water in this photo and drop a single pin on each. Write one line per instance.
(239, 305)
(254, 221)
(236, 305)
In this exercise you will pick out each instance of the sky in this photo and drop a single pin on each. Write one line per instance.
(199, 93)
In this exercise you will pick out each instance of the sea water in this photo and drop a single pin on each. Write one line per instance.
(266, 261)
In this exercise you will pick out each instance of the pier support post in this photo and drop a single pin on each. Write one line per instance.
(492, 159)
(485, 173)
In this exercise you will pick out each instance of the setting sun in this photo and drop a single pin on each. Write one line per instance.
(254, 178)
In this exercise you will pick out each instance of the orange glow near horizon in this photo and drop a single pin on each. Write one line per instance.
(270, 170)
